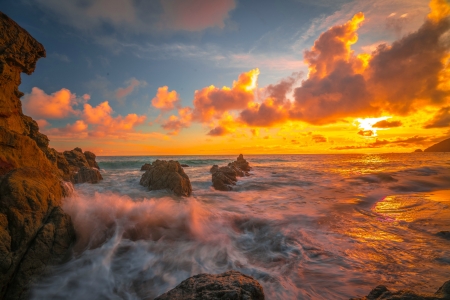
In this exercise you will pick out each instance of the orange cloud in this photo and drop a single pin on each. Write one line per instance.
(196, 15)
(441, 119)
(97, 115)
(211, 102)
(58, 105)
(132, 84)
(402, 142)
(387, 124)
(165, 100)
(175, 124)
(319, 138)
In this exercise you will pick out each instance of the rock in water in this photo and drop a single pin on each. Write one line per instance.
(90, 158)
(231, 285)
(224, 178)
(382, 293)
(34, 230)
(241, 163)
(214, 169)
(167, 175)
(85, 174)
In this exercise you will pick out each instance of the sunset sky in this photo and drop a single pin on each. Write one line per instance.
(163, 77)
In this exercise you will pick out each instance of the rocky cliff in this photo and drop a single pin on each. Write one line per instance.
(443, 146)
(34, 230)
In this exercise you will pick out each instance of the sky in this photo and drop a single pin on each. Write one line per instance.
(207, 77)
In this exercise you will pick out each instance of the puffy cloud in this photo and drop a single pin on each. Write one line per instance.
(132, 84)
(101, 114)
(42, 123)
(387, 124)
(441, 119)
(57, 105)
(218, 131)
(211, 102)
(175, 124)
(165, 100)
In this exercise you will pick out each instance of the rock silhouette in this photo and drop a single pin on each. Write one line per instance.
(443, 146)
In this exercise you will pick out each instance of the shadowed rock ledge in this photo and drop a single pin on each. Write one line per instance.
(34, 231)
(231, 285)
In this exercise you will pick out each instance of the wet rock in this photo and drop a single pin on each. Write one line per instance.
(383, 293)
(229, 285)
(167, 175)
(214, 169)
(146, 167)
(241, 163)
(87, 174)
(224, 178)
(90, 157)
(185, 166)
(34, 230)
(76, 159)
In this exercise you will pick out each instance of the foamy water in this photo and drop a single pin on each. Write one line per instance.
(305, 226)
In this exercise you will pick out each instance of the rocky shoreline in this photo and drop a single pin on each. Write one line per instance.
(36, 233)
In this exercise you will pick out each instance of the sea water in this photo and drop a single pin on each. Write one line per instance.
(304, 226)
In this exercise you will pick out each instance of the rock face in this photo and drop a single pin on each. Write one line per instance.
(382, 293)
(34, 230)
(230, 285)
(443, 146)
(146, 167)
(223, 178)
(86, 174)
(167, 175)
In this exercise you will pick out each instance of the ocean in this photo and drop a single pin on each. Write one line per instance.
(304, 226)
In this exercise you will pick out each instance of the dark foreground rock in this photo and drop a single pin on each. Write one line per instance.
(81, 167)
(382, 293)
(224, 178)
(34, 230)
(146, 167)
(443, 146)
(167, 175)
(231, 285)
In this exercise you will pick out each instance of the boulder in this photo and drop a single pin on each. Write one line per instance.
(146, 167)
(167, 175)
(87, 174)
(382, 293)
(229, 285)
(224, 178)
(214, 169)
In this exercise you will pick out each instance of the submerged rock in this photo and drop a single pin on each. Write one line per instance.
(86, 174)
(185, 165)
(418, 150)
(167, 175)
(231, 285)
(382, 293)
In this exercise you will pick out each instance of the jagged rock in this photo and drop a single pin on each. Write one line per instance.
(90, 157)
(238, 171)
(76, 159)
(146, 167)
(443, 146)
(231, 285)
(224, 178)
(214, 169)
(34, 231)
(382, 293)
(167, 175)
(87, 174)
(241, 163)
